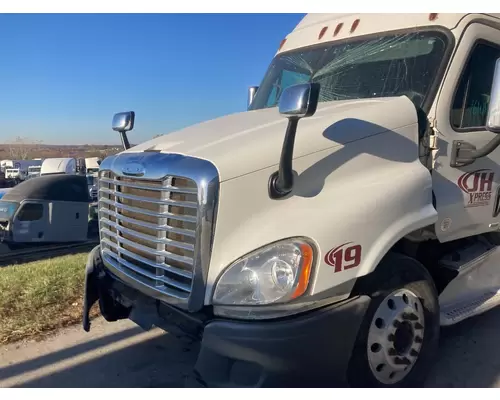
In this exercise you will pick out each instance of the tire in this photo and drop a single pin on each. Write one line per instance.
(400, 278)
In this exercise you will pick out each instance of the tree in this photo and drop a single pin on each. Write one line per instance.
(22, 148)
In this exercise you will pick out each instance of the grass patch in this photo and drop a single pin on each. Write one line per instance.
(41, 296)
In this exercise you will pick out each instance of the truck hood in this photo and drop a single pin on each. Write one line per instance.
(249, 141)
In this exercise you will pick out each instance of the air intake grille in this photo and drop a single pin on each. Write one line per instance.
(148, 230)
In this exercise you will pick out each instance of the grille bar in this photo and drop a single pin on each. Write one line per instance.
(170, 282)
(166, 267)
(146, 249)
(116, 262)
(114, 203)
(185, 232)
(149, 187)
(153, 239)
(150, 200)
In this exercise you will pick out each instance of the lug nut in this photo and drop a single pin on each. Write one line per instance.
(402, 361)
(410, 317)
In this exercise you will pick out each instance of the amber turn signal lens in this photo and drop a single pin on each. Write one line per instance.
(305, 272)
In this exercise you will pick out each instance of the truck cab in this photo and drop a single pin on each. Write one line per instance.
(324, 235)
(15, 174)
(52, 166)
(34, 171)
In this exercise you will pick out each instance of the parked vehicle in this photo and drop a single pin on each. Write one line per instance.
(92, 183)
(51, 209)
(34, 171)
(324, 236)
(15, 174)
(51, 166)
(18, 169)
(92, 165)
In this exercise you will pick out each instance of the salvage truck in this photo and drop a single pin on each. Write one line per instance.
(323, 236)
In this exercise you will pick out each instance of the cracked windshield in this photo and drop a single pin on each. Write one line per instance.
(384, 66)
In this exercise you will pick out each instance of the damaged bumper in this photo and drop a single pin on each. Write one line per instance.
(311, 349)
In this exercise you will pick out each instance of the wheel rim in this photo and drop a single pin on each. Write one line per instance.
(395, 336)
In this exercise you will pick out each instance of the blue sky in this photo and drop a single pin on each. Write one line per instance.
(63, 76)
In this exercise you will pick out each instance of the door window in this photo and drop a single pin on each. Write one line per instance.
(30, 212)
(470, 105)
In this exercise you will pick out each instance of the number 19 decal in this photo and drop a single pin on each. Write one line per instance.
(344, 257)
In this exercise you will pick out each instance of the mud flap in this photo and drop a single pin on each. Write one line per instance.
(97, 286)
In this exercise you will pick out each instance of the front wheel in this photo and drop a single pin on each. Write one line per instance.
(399, 335)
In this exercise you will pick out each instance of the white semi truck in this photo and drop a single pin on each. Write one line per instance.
(92, 165)
(18, 170)
(52, 166)
(323, 236)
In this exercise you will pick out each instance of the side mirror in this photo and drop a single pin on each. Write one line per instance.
(493, 118)
(299, 101)
(124, 122)
(463, 153)
(296, 102)
(252, 91)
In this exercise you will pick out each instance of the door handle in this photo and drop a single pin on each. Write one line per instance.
(496, 204)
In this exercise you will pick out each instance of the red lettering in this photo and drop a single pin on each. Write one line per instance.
(486, 181)
(344, 258)
(475, 183)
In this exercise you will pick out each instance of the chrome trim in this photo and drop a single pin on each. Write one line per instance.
(160, 167)
(146, 249)
(166, 267)
(169, 188)
(138, 198)
(153, 277)
(148, 225)
(185, 218)
(154, 239)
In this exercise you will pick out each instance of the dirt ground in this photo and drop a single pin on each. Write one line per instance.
(122, 355)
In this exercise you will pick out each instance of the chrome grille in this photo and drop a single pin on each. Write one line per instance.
(148, 230)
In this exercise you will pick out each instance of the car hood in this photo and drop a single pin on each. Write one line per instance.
(241, 143)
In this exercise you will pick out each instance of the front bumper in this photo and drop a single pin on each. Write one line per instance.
(311, 349)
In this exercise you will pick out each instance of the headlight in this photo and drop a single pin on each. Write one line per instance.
(274, 274)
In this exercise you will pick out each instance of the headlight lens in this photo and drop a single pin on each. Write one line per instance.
(274, 274)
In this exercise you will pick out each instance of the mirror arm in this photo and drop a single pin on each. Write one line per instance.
(487, 148)
(464, 153)
(125, 142)
(281, 182)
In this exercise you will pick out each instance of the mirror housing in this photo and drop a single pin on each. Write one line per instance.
(463, 153)
(124, 122)
(299, 101)
(296, 102)
(252, 91)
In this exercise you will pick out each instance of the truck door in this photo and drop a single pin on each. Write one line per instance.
(467, 196)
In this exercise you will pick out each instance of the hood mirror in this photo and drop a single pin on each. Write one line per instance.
(124, 122)
(296, 102)
(299, 101)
